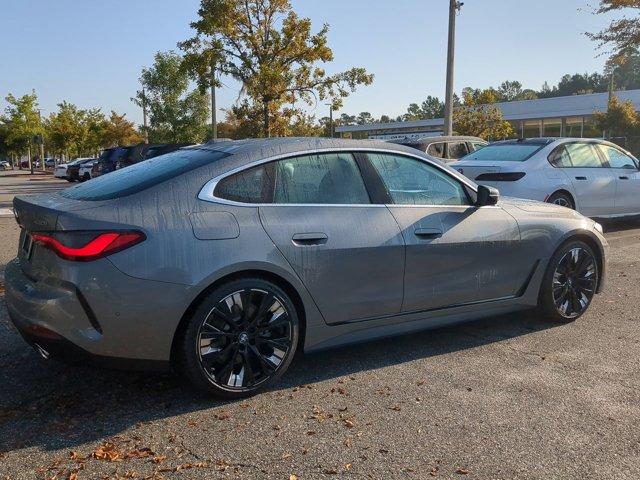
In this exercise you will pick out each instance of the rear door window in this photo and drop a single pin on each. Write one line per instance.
(143, 175)
(326, 178)
(457, 150)
(436, 150)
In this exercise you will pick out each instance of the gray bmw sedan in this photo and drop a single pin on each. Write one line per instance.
(223, 260)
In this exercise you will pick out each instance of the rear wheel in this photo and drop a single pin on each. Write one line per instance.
(562, 199)
(241, 338)
(569, 283)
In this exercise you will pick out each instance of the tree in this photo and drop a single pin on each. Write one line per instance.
(271, 51)
(477, 117)
(623, 34)
(432, 107)
(620, 119)
(22, 123)
(176, 114)
(364, 118)
(66, 129)
(119, 131)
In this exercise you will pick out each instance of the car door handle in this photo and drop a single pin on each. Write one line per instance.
(428, 232)
(623, 178)
(306, 239)
(581, 178)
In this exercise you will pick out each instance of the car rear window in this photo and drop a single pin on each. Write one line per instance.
(143, 175)
(510, 152)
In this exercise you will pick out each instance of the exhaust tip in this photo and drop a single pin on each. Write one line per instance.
(41, 351)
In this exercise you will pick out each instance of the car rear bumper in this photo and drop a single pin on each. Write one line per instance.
(112, 323)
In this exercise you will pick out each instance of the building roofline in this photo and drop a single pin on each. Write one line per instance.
(588, 104)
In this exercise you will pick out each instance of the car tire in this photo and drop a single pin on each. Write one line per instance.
(240, 339)
(562, 199)
(569, 283)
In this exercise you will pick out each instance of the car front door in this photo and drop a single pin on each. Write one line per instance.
(624, 169)
(456, 253)
(348, 252)
(593, 183)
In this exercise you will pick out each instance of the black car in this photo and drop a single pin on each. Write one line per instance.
(143, 151)
(73, 170)
(109, 159)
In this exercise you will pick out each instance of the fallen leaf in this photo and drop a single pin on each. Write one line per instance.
(159, 458)
(331, 471)
(107, 452)
(140, 453)
(293, 476)
(462, 471)
(349, 424)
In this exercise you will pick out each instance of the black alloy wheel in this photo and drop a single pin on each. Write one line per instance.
(244, 341)
(570, 283)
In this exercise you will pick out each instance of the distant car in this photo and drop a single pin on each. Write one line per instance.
(49, 162)
(448, 149)
(68, 171)
(109, 158)
(141, 152)
(84, 173)
(226, 259)
(5, 166)
(595, 177)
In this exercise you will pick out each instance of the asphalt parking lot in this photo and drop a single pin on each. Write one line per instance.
(502, 398)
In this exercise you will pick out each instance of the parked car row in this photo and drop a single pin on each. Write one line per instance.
(111, 159)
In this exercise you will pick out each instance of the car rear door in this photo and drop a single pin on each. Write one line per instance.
(593, 183)
(624, 169)
(348, 252)
(456, 253)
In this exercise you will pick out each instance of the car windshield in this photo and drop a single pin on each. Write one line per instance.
(143, 175)
(505, 152)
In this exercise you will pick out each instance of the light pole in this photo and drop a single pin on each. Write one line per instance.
(454, 7)
(214, 121)
(144, 115)
(41, 141)
(330, 105)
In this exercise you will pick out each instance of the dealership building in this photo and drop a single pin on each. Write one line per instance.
(546, 117)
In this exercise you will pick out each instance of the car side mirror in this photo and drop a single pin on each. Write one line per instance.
(487, 196)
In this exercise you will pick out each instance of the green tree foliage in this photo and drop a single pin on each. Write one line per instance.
(622, 34)
(119, 131)
(620, 119)
(432, 107)
(21, 123)
(477, 117)
(271, 51)
(176, 113)
(577, 84)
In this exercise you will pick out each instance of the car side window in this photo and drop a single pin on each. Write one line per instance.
(457, 150)
(617, 158)
(436, 150)
(560, 158)
(328, 178)
(410, 181)
(475, 146)
(583, 155)
(248, 186)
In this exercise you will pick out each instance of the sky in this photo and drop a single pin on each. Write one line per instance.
(91, 52)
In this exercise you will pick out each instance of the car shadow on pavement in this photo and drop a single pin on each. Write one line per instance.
(53, 406)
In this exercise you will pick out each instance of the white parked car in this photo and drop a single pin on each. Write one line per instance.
(61, 170)
(5, 165)
(595, 177)
(85, 171)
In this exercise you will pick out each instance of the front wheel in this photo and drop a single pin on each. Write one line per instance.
(562, 199)
(240, 339)
(569, 283)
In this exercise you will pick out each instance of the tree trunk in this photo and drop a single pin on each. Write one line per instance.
(266, 119)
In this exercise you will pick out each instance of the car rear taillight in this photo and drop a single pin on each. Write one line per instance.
(99, 245)
(501, 177)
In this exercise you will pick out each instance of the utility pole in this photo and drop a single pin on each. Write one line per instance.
(454, 7)
(144, 115)
(214, 121)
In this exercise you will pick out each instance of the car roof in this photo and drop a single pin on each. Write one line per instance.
(244, 152)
